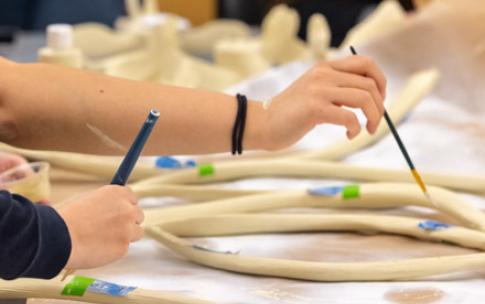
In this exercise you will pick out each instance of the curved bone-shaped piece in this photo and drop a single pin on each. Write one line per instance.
(51, 289)
(202, 39)
(371, 196)
(318, 36)
(227, 171)
(323, 271)
(103, 166)
(280, 43)
(388, 16)
(87, 36)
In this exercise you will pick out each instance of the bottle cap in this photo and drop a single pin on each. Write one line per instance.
(59, 36)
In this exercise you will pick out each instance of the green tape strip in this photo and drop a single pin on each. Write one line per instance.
(77, 287)
(351, 192)
(206, 170)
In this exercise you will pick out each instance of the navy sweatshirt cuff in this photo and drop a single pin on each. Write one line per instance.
(54, 245)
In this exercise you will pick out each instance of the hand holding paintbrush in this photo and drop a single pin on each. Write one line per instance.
(403, 149)
(129, 162)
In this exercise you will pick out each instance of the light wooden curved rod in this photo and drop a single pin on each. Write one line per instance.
(51, 289)
(102, 166)
(322, 271)
(416, 88)
(226, 171)
(372, 196)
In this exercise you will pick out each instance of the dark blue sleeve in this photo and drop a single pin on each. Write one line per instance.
(34, 240)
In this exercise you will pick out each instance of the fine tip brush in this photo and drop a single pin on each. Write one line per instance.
(404, 152)
(130, 159)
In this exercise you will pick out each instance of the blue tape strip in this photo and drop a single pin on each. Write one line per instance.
(191, 163)
(430, 225)
(168, 162)
(109, 289)
(325, 191)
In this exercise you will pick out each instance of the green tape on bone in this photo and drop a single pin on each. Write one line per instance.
(206, 170)
(351, 192)
(77, 286)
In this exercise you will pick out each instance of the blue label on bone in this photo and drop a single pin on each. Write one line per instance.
(168, 162)
(430, 225)
(325, 191)
(190, 163)
(109, 289)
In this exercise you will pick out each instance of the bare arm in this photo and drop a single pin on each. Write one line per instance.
(52, 107)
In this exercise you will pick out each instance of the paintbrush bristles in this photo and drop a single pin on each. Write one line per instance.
(420, 182)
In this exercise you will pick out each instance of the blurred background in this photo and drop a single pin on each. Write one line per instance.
(37, 14)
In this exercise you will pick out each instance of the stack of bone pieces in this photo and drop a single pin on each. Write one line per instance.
(147, 45)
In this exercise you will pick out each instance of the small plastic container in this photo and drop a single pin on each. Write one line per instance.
(29, 180)
(60, 48)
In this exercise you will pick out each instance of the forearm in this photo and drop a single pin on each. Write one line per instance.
(66, 109)
(51, 107)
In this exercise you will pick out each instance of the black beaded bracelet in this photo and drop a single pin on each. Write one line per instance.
(239, 124)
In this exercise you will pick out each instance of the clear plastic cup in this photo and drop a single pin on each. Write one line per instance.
(30, 180)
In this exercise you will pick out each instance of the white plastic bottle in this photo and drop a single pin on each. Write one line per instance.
(60, 49)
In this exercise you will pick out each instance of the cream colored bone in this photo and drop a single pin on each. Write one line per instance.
(410, 269)
(280, 43)
(372, 196)
(98, 40)
(242, 56)
(227, 171)
(204, 38)
(51, 289)
(164, 61)
(388, 16)
(319, 36)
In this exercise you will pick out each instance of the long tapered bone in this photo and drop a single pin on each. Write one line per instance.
(323, 271)
(51, 289)
(226, 171)
(371, 196)
(102, 166)
(191, 193)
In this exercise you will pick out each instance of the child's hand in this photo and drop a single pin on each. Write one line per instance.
(102, 224)
(319, 97)
(9, 161)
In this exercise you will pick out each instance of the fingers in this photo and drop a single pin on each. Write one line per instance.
(130, 195)
(347, 80)
(363, 66)
(342, 117)
(140, 216)
(137, 233)
(137, 230)
(356, 98)
(123, 192)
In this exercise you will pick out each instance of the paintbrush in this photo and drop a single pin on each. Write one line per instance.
(130, 159)
(404, 152)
